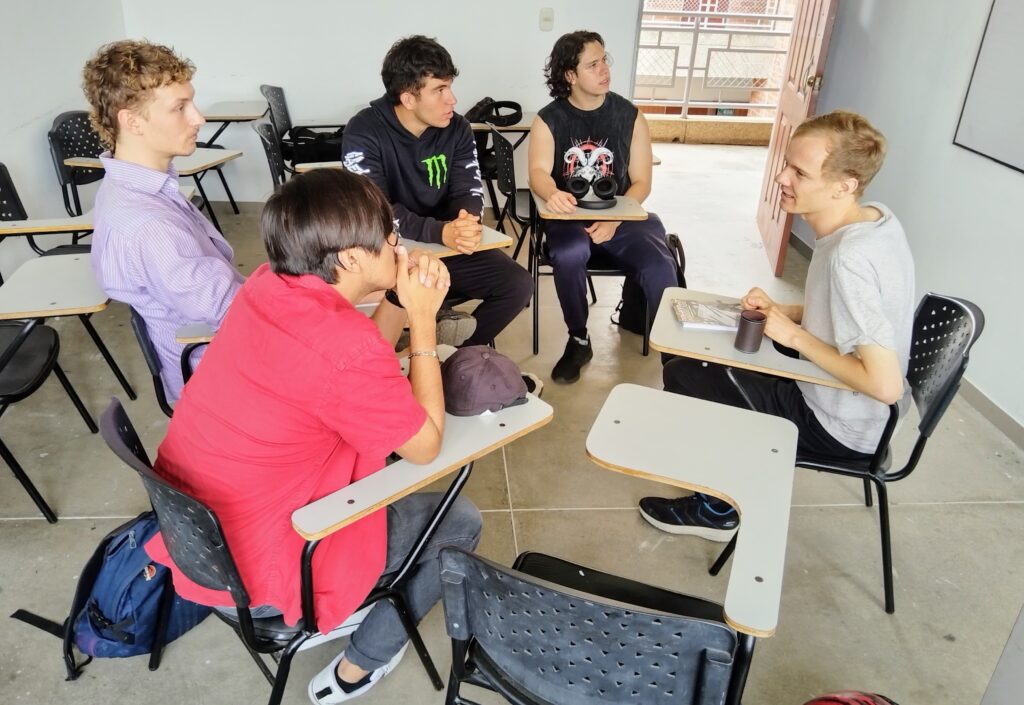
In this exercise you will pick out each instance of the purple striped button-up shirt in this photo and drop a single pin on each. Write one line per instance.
(153, 250)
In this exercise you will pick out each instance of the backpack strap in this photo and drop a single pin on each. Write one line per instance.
(47, 625)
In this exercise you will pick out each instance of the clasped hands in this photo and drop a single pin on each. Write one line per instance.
(462, 234)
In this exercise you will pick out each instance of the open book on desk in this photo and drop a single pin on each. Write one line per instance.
(707, 315)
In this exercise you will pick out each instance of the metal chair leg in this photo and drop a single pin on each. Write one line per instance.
(647, 330)
(398, 602)
(740, 669)
(160, 637)
(867, 493)
(108, 357)
(593, 293)
(206, 202)
(723, 557)
(883, 517)
(536, 300)
(15, 467)
(227, 191)
(75, 399)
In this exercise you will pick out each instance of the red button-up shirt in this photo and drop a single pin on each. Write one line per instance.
(298, 396)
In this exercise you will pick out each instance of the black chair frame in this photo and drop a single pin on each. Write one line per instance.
(64, 144)
(934, 383)
(27, 327)
(122, 439)
(272, 148)
(220, 175)
(280, 117)
(597, 266)
(152, 359)
(11, 208)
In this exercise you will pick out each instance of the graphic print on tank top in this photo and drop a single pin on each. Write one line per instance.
(589, 159)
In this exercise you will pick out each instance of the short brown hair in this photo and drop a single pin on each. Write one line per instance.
(855, 148)
(123, 75)
(316, 215)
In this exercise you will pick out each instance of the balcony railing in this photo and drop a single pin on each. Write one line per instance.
(712, 62)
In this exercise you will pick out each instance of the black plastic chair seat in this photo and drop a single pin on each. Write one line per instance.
(268, 628)
(31, 363)
(844, 465)
(613, 587)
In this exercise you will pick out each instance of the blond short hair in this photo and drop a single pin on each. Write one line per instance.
(122, 75)
(855, 147)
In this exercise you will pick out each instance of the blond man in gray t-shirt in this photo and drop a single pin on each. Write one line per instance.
(855, 322)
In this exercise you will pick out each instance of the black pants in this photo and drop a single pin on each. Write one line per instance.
(751, 390)
(504, 287)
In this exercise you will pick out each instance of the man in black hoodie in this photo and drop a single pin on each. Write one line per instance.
(423, 156)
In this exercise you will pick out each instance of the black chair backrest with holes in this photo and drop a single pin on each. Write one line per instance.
(536, 641)
(71, 135)
(280, 118)
(272, 148)
(190, 530)
(10, 203)
(945, 328)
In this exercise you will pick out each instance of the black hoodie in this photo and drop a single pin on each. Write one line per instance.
(427, 179)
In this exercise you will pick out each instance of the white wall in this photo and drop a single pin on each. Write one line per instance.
(42, 50)
(906, 66)
(327, 54)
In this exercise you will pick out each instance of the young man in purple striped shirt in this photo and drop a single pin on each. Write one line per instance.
(152, 249)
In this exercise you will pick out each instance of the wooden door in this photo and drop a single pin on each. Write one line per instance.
(805, 64)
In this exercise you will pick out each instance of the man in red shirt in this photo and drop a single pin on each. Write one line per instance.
(299, 395)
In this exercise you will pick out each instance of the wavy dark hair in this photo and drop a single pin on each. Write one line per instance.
(564, 57)
(314, 216)
(411, 61)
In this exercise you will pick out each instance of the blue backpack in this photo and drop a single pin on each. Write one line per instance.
(118, 601)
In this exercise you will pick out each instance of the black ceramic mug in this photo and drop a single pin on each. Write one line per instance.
(750, 331)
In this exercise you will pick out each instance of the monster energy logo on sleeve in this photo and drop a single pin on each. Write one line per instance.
(437, 170)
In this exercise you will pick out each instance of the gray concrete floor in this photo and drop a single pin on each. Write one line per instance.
(958, 522)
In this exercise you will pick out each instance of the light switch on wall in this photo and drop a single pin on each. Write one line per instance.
(547, 19)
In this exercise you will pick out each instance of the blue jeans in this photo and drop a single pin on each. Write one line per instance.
(638, 249)
(381, 634)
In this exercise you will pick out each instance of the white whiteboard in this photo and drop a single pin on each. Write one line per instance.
(992, 119)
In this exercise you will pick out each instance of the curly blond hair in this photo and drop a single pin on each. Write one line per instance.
(123, 75)
(855, 147)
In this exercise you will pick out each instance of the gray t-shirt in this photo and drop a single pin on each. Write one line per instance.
(859, 291)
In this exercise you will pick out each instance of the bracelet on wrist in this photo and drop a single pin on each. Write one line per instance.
(423, 353)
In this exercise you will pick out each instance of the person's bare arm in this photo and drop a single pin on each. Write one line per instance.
(757, 300)
(541, 159)
(640, 161)
(873, 370)
(421, 290)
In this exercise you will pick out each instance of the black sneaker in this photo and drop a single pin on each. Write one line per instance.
(694, 515)
(567, 369)
(534, 385)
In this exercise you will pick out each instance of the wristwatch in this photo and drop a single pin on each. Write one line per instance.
(392, 297)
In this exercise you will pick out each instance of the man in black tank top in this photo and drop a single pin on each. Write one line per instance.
(590, 132)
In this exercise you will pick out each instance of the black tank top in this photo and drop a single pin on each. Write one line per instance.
(591, 143)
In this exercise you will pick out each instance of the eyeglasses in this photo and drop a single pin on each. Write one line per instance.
(607, 60)
(392, 239)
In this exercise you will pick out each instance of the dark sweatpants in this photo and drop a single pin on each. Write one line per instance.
(750, 390)
(638, 249)
(504, 287)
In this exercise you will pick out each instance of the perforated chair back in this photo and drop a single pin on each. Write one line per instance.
(71, 135)
(189, 528)
(279, 115)
(10, 203)
(556, 645)
(945, 329)
(272, 148)
(505, 165)
(149, 353)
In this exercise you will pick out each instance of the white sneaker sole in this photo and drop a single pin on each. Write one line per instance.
(702, 532)
(378, 675)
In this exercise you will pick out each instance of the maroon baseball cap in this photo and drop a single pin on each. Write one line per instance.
(478, 378)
